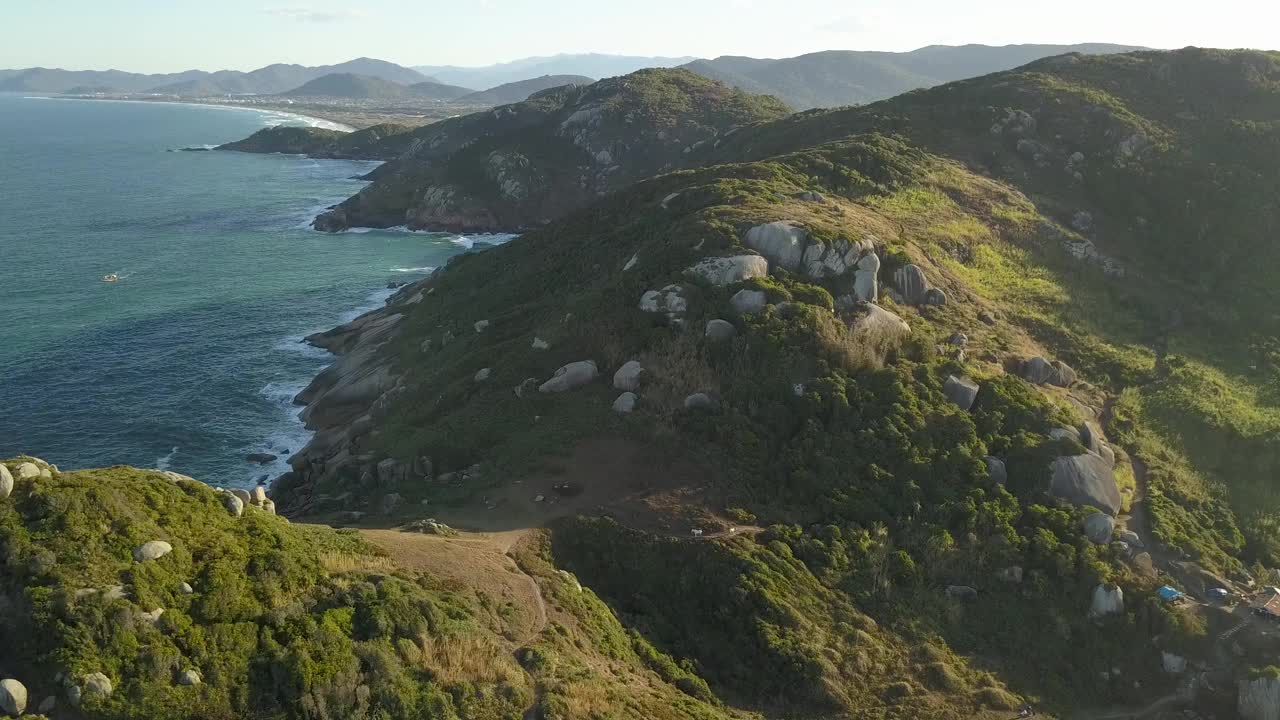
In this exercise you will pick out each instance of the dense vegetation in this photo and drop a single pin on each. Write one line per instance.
(276, 620)
(526, 164)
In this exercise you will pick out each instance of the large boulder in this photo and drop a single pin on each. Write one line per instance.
(1259, 698)
(746, 302)
(1173, 664)
(876, 319)
(242, 494)
(822, 260)
(189, 678)
(960, 391)
(721, 271)
(1098, 527)
(669, 301)
(912, 284)
(780, 242)
(98, 684)
(1086, 480)
(719, 331)
(865, 280)
(1090, 437)
(628, 376)
(258, 495)
(571, 376)
(1107, 600)
(700, 401)
(28, 471)
(391, 472)
(996, 470)
(625, 404)
(152, 550)
(233, 504)
(6, 481)
(1040, 371)
(13, 697)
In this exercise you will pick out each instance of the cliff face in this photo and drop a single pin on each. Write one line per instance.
(1259, 698)
(520, 166)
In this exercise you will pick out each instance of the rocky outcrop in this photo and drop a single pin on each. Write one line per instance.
(875, 319)
(6, 479)
(571, 376)
(996, 470)
(913, 285)
(1259, 698)
(866, 282)
(233, 504)
(1107, 600)
(722, 271)
(1085, 480)
(189, 678)
(790, 247)
(700, 401)
(343, 402)
(98, 684)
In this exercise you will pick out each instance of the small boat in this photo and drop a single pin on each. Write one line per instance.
(112, 277)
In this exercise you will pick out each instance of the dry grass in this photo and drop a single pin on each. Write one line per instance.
(678, 369)
(855, 348)
(586, 699)
(467, 658)
(341, 563)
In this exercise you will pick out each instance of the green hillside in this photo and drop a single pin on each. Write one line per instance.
(351, 86)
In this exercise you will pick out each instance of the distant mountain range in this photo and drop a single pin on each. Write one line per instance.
(846, 77)
(515, 92)
(368, 87)
(268, 80)
(588, 64)
(824, 79)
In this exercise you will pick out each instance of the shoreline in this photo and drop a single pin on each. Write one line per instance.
(311, 120)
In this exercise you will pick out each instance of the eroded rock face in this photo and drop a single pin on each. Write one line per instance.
(722, 271)
(571, 376)
(912, 284)
(1259, 698)
(866, 284)
(1086, 480)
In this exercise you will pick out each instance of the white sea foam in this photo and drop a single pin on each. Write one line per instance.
(469, 241)
(376, 299)
(288, 438)
(164, 461)
(424, 269)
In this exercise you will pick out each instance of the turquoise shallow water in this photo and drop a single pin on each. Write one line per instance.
(189, 361)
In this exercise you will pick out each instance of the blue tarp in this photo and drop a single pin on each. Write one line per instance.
(1168, 593)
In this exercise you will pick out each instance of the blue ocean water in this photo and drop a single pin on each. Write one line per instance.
(187, 362)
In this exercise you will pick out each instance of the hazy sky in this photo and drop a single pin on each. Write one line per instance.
(171, 35)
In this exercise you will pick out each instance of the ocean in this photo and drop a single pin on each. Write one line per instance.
(189, 361)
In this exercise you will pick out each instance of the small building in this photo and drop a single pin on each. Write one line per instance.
(1169, 594)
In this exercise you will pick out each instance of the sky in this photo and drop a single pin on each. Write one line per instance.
(173, 35)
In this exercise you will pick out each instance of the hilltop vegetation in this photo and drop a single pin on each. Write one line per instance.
(848, 77)
(368, 87)
(252, 616)
(1165, 162)
(522, 165)
(519, 91)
